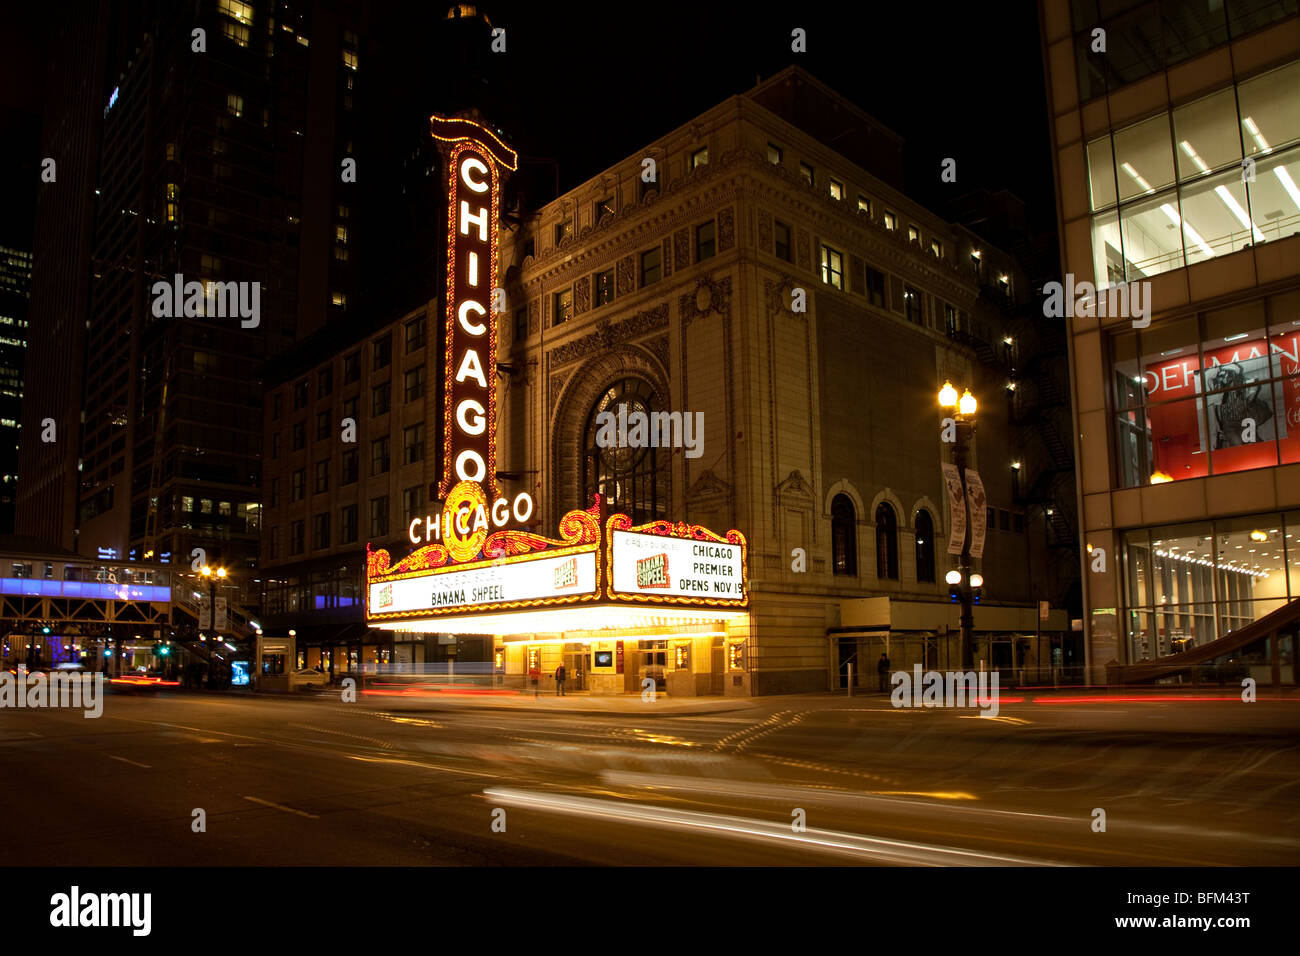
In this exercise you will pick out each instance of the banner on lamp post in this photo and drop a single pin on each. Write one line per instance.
(978, 512)
(956, 509)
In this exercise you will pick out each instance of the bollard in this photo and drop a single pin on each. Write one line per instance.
(850, 678)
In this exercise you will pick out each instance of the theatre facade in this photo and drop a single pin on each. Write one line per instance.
(679, 427)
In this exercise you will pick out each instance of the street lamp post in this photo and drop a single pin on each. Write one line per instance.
(962, 411)
(213, 577)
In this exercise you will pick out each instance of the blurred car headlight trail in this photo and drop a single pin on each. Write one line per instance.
(824, 841)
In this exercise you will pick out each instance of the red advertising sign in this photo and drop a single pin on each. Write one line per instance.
(1241, 413)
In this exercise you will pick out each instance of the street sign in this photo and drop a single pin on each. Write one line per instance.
(205, 614)
(221, 614)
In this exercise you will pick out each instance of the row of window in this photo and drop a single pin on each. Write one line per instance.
(380, 404)
(413, 450)
(381, 355)
(649, 271)
(413, 502)
(1196, 182)
(1211, 393)
(870, 282)
(1145, 37)
(776, 156)
(844, 541)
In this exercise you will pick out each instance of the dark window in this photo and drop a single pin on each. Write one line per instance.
(350, 408)
(415, 334)
(322, 426)
(651, 266)
(1004, 520)
(349, 471)
(295, 537)
(299, 435)
(563, 307)
(322, 475)
(352, 368)
(379, 398)
(275, 446)
(277, 406)
(275, 492)
(950, 318)
(633, 480)
(324, 382)
(886, 542)
(912, 305)
(414, 383)
(382, 350)
(782, 234)
(299, 484)
(604, 207)
(844, 536)
(379, 456)
(705, 243)
(301, 394)
(924, 546)
(275, 543)
(412, 503)
(521, 323)
(875, 287)
(413, 444)
(320, 531)
(604, 287)
(347, 524)
(378, 517)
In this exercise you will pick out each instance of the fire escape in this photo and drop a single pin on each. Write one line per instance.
(1035, 359)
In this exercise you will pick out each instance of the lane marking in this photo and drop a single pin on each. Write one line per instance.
(277, 806)
(132, 762)
(832, 841)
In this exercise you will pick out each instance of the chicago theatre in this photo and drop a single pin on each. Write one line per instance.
(678, 423)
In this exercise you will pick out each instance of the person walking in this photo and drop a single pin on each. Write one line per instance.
(560, 675)
(882, 671)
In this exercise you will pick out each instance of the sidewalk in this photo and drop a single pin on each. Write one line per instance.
(575, 703)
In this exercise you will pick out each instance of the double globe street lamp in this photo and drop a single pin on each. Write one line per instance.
(963, 586)
(213, 576)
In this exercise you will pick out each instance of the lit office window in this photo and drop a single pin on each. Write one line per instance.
(891, 221)
(234, 104)
(700, 158)
(243, 12)
(349, 59)
(864, 205)
(774, 154)
(832, 267)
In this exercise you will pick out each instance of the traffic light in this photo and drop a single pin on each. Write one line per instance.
(164, 651)
(45, 629)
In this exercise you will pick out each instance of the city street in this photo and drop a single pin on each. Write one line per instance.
(314, 781)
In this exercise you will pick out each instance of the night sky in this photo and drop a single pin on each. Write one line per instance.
(959, 80)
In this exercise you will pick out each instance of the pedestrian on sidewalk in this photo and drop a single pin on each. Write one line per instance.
(559, 680)
(882, 671)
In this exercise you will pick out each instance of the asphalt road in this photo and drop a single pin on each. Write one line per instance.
(781, 781)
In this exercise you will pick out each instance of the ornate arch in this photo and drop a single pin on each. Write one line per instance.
(573, 405)
(844, 487)
(936, 516)
(888, 494)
